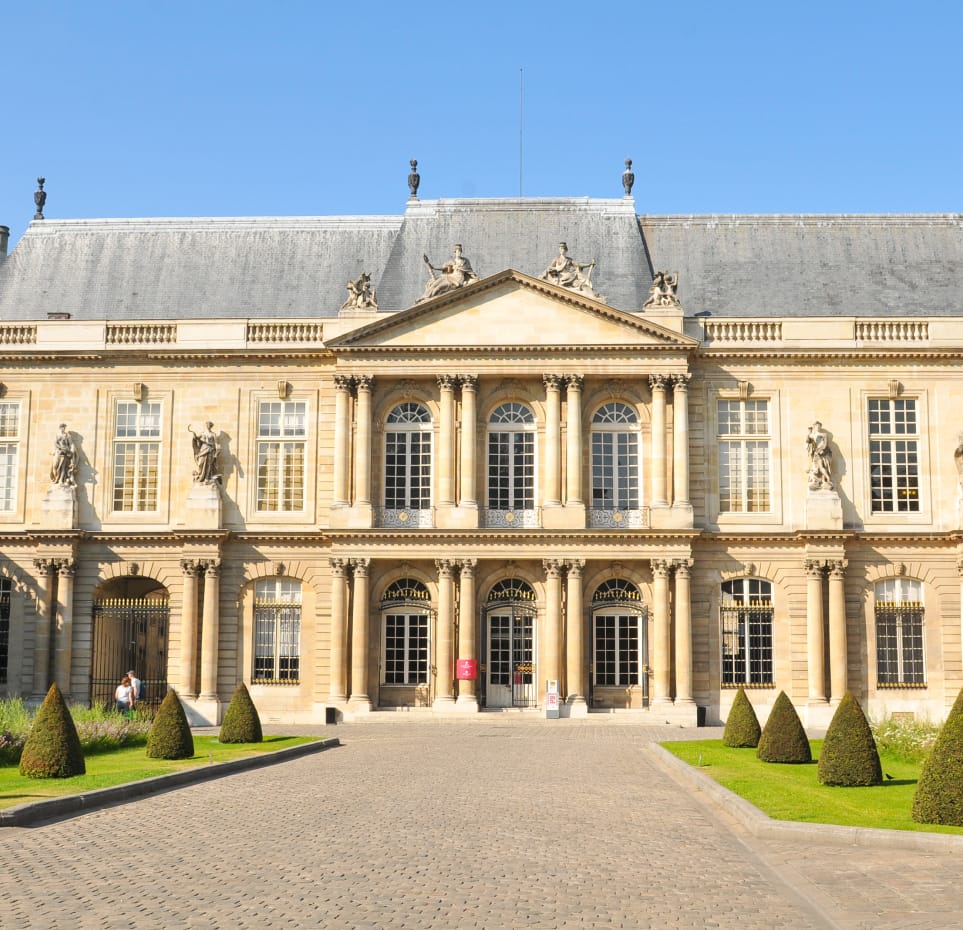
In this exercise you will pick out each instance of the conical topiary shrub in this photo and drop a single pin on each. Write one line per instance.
(241, 723)
(170, 735)
(52, 748)
(849, 757)
(742, 726)
(783, 737)
(939, 794)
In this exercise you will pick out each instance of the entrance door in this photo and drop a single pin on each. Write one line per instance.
(511, 665)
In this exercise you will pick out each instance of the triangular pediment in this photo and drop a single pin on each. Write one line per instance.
(509, 309)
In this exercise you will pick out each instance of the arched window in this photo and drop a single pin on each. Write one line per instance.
(619, 622)
(277, 631)
(615, 461)
(900, 655)
(405, 612)
(510, 675)
(747, 620)
(511, 459)
(408, 458)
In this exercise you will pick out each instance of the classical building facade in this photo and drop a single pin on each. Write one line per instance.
(487, 454)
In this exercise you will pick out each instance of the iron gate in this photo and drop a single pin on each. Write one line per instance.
(129, 633)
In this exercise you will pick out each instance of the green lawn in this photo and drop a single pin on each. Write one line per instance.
(119, 766)
(792, 792)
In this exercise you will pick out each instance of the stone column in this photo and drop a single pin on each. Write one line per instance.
(187, 683)
(838, 658)
(814, 631)
(661, 655)
(359, 700)
(576, 681)
(210, 630)
(657, 384)
(683, 633)
(338, 692)
(444, 665)
(362, 458)
(467, 632)
(680, 440)
(41, 649)
(573, 451)
(550, 665)
(63, 641)
(446, 442)
(553, 438)
(342, 431)
(469, 414)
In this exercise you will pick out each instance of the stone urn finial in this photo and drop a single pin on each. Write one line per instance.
(414, 179)
(39, 198)
(628, 177)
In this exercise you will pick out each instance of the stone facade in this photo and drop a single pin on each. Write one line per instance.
(446, 505)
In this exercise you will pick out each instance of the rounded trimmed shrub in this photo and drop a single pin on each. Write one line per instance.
(742, 725)
(170, 735)
(783, 738)
(241, 723)
(52, 748)
(849, 758)
(939, 793)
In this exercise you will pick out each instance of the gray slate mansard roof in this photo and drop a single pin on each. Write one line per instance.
(297, 267)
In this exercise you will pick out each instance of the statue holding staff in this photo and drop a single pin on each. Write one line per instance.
(206, 449)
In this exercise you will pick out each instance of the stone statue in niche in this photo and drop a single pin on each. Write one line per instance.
(361, 295)
(820, 459)
(63, 471)
(455, 273)
(206, 449)
(566, 272)
(663, 292)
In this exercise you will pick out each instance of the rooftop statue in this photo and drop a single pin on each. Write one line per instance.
(39, 198)
(63, 471)
(665, 284)
(414, 179)
(566, 272)
(628, 177)
(820, 459)
(361, 295)
(455, 273)
(206, 449)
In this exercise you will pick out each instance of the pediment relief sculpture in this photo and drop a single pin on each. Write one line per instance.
(455, 273)
(564, 271)
(663, 292)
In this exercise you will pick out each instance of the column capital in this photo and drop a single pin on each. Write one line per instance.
(467, 566)
(552, 382)
(445, 567)
(339, 566)
(364, 382)
(343, 383)
(814, 567)
(658, 382)
(468, 382)
(661, 567)
(360, 566)
(212, 567)
(574, 566)
(682, 566)
(574, 382)
(65, 566)
(191, 566)
(837, 567)
(46, 566)
(553, 567)
(680, 381)
(447, 382)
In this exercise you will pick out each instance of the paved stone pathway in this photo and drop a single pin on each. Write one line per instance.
(499, 823)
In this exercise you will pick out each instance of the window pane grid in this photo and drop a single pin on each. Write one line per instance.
(9, 459)
(277, 632)
(900, 657)
(281, 461)
(615, 471)
(616, 650)
(6, 587)
(746, 630)
(406, 648)
(744, 464)
(894, 463)
(408, 460)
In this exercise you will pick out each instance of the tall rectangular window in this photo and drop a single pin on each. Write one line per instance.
(616, 649)
(747, 622)
(406, 648)
(277, 631)
(5, 589)
(894, 456)
(137, 456)
(900, 652)
(744, 456)
(282, 429)
(9, 455)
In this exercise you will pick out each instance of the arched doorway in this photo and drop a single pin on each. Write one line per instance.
(509, 637)
(130, 626)
(620, 647)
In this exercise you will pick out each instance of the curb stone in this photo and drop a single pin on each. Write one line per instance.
(26, 815)
(765, 827)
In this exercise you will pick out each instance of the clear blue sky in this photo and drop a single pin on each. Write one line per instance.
(286, 108)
